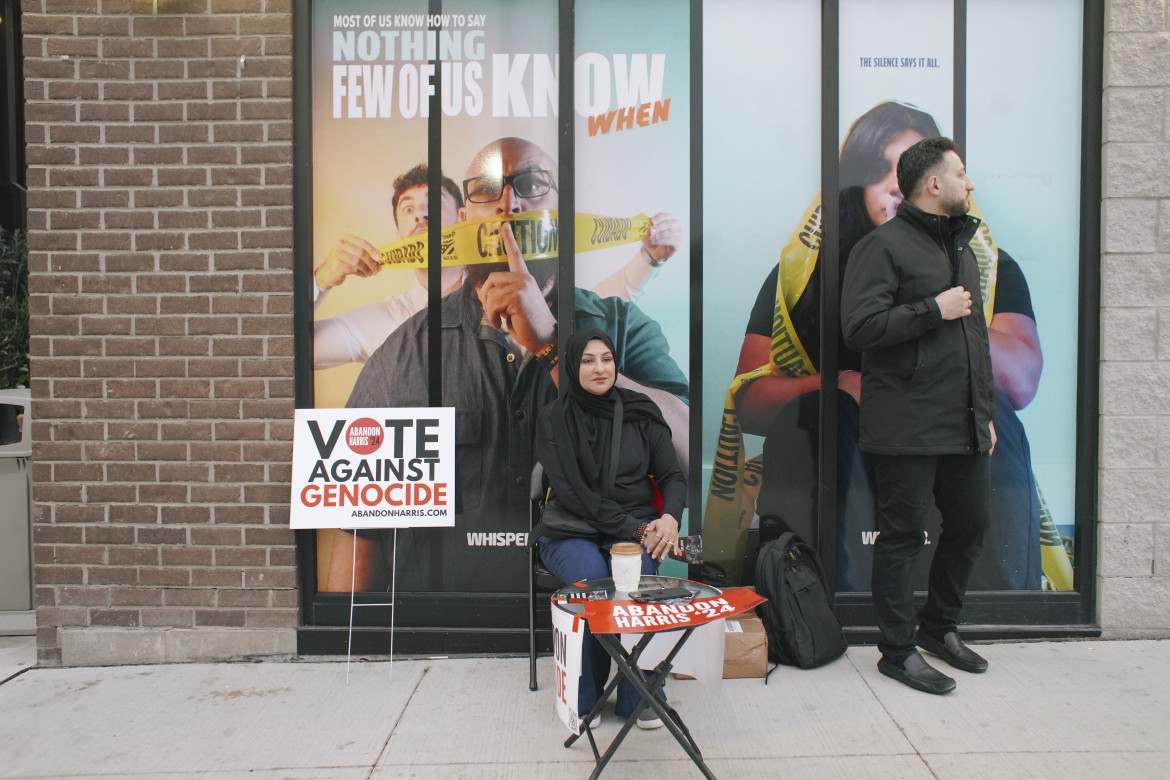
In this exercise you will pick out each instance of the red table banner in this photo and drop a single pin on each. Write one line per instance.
(631, 617)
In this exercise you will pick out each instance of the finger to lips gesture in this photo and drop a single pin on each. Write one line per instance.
(513, 301)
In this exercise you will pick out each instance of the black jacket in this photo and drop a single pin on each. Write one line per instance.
(926, 384)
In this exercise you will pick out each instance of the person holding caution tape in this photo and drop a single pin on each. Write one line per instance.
(911, 304)
(353, 335)
(500, 368)
(776, 392)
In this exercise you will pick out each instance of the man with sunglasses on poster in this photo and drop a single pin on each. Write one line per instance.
(500, 368)
(911, 305)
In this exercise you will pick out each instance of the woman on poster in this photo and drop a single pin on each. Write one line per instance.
(783, 407)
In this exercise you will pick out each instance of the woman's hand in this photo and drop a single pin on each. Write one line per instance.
(661, 537)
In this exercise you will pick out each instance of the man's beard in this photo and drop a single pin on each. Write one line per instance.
(958, 208)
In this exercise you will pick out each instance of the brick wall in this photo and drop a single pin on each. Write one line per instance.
(1134, 548)
(160, 208)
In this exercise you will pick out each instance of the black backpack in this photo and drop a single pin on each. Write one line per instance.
(798, 615)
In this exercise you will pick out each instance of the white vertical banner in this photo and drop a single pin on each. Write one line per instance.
(568, 631)
(373, 468)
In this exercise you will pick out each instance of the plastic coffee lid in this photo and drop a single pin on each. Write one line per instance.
(626, 548)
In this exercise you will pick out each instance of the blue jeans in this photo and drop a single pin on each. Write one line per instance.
(573, 560)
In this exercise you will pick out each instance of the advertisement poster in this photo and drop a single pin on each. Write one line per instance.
(498, 68)
(373, 468)
(896, 86)
(374, 64)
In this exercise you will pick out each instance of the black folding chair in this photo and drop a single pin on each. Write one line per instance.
(539, 578)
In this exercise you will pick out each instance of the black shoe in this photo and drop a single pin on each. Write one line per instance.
(918, 674)
(952, 650)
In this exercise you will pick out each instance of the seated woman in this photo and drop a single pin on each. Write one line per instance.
(573, 443)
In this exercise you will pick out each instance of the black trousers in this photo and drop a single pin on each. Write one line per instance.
(908, 485)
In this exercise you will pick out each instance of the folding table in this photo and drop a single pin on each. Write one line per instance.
(682, 617)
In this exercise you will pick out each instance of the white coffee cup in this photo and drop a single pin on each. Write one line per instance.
(626, 563)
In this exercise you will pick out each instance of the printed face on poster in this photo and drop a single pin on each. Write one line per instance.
(373, 468)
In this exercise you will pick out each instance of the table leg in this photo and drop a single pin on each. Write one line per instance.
(628, 666)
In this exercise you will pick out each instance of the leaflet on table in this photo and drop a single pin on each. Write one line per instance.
(630, 617)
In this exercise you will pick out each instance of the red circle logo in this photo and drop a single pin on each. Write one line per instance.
(364, 436)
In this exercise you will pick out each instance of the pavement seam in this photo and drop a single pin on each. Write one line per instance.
(890, 715)
(401, 715)
(15, 675)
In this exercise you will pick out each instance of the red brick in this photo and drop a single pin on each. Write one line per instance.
(189, 597)
(215, 367)
(166, 576)
(119, 431)
(126, 618)
(106, 534)
(242, 598)
(215, 451)
(129, 262)
(162, 409)
(285, 556)
(240, 556)
(270, 578)
(219, 617)
(136, 597)
(98, 367)
(217, 578)
(235, 431)
(185, 432)
(105, 494)
(62, 616)
(208, 494)
(216, 536)
(237, 514)
(187, 556)
(186, 472)
(134, 556)
(112, 575)
(60, 575)
(163, 494)
(185, 515)
(161, 535)
(133, 513)
(184, 388)
(214, 196)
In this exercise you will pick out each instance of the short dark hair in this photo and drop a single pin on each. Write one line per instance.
(418, 176)
(919, 160)
(863, 154)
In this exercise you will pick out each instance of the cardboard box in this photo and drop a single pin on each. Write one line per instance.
(745, 648)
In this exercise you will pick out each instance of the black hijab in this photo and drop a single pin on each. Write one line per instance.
(583, 422)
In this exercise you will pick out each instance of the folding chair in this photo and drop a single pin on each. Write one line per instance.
(539, 578)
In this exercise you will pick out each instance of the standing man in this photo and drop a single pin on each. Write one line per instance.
(911, 305)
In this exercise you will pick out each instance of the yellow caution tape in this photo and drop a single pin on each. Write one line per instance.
(537, 235)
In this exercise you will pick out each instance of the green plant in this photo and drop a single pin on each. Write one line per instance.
(13, 309)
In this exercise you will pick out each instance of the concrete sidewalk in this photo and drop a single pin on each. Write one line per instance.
(1045, 709)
